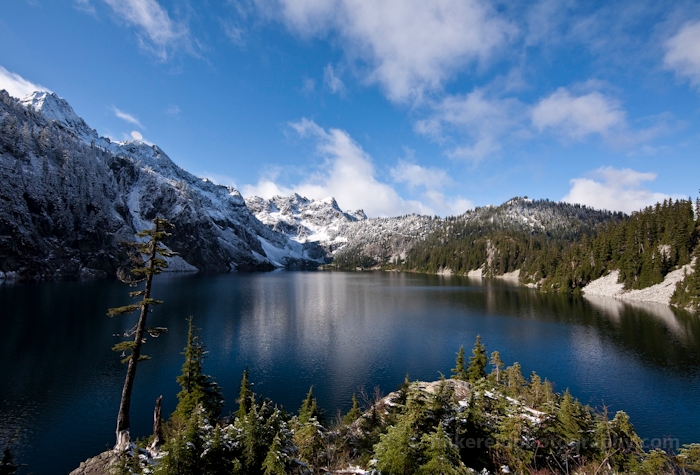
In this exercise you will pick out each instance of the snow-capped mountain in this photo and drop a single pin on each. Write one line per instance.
(305, 220)
(554, 218)
(343, 235)
(351, 240)
(68, 197)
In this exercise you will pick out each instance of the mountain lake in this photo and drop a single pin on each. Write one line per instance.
(338, 332)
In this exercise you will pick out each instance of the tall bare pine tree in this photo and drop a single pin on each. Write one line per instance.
(143, 271)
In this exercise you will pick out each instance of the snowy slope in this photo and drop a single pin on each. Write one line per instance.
(339, 232)
(545, 216)
(305, 220)
(69, 196)
(351, 239)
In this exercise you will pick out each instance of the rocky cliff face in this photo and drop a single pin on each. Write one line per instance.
(341, 234)
(305, 220)
(68, 197)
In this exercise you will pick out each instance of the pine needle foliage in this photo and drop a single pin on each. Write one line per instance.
(198, 389)
(246, 398)
(308, 409)
(143, 272)
(460, 369)
(478, 361)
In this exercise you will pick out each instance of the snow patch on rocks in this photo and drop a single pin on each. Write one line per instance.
(510, 276)
(608, 286)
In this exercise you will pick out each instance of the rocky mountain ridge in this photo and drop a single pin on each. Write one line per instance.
(68, 197)
(305, 220)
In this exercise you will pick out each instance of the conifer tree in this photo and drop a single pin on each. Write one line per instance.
(274, 461)
(198, 389)
(354, 413)
(308, 408)
(143, 272)
(442, 455)
(184, 448)
(515, 380)
(460, 370)
(568, 419)
(245, 396)
(497, 364)
(397, 452)
(478, 361)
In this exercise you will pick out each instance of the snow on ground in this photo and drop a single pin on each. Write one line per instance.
(607, 286)
(511, 276)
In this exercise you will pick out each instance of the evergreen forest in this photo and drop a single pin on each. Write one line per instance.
(643, 247)
(486, 418)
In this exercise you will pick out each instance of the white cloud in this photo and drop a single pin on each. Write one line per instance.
(577, 117)
(452, 206)
(173, 110)
(683, 53)
(136, 135)
(16, 85)
(433, 181)
(220, 179)
(234, 33)
(85, 6)
(127, 117)
(308, 86)
(348, 175)
(408, 47)
(484, 120)
(158, 31)
(615, 190)
(333, 82)
(415, 175)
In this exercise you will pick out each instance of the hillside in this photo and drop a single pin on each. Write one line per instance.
(68, 197)
(497, 239)
(564, 248)
(479, 421)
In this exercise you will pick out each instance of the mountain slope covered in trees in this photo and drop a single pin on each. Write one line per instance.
(499, 239)
(577, 246)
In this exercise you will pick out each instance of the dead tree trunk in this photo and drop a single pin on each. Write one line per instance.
(157, 427)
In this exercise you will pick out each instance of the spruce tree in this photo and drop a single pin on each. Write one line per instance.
(397, 452)
(568, 419)
(354, 413)
(198, 389)
(143, 272)
(308, 408)
(478, 361)
(515, 380)
(442, 455)
(245, 396)
(274, 463)
(460, 370)
(497, 364)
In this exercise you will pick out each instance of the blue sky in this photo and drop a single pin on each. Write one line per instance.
(393, 106)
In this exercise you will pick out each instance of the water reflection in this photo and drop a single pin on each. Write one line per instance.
(336, 331)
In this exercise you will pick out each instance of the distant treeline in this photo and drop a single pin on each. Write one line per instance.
(561, 247)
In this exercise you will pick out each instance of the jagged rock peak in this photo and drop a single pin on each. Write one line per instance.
(304, 219)
(69, 197)
(56, 108)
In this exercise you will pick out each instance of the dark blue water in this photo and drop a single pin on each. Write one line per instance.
(60, 384)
